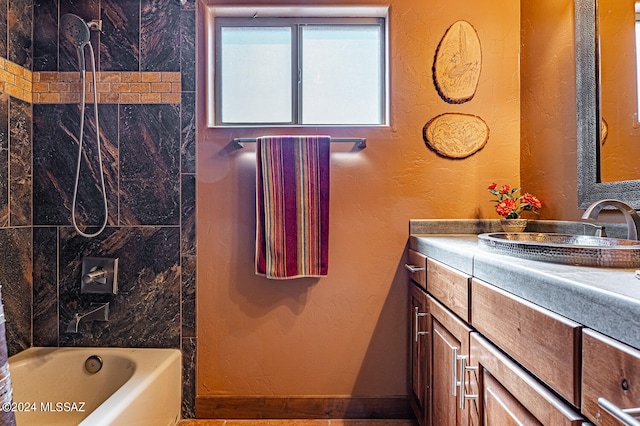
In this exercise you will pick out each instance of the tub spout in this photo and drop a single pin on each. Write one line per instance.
(96, 312)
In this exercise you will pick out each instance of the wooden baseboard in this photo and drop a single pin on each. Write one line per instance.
(286, 407)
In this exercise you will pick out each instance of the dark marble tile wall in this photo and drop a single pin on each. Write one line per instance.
(56, 135)
(45, 51)
(160, 35)
(188, 206)
(4, 160)
(149, 164)
(121, 52)
(20, 120)
(146, 311)
(15, 273)
(137, 35)
(45, 286)
(15, 181)
(20, 24)
(4, 26)
(15, 220)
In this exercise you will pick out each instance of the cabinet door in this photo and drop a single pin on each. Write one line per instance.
(419, 356)
(449, 344)
(503, 393)
(500, 407)
(610, 371)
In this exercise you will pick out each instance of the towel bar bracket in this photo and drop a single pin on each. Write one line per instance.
(361, 143)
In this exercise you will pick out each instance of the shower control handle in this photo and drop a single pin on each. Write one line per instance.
(99, 275)
(96, 275)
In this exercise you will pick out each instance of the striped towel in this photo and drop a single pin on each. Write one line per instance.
(292, 195)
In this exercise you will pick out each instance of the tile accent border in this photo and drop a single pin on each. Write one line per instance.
(113, 87)
(15, 80)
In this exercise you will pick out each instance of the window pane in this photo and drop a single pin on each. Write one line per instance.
(341, 75)
(256, 74)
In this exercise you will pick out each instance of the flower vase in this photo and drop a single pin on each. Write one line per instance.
(513, 225)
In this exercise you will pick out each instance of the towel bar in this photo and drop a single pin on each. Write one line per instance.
(361, 143)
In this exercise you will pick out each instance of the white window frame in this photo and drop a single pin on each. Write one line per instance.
(637, 44)
(292, 16)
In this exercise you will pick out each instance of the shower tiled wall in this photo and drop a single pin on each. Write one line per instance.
(16, 229)
(149, 168)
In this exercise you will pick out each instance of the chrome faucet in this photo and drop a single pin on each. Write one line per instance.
(630, 215)
(96, 312)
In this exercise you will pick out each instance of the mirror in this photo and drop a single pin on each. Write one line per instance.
(591, 187)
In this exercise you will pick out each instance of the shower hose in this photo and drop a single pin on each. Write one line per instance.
(80, 142)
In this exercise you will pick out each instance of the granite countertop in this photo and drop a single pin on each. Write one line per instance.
(603, 299)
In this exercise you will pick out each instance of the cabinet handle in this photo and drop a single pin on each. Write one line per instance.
(416, 315)
(463, 370)
(625, 416)
(413, 268)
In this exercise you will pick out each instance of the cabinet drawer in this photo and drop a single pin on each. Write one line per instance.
(450, 287)
(545, 343)
(417, 267)
(610, 370)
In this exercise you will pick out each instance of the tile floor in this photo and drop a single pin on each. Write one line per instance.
(305, 422)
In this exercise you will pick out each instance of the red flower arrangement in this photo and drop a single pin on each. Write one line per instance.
(509, 205)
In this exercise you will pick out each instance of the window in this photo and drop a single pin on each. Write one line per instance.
(299, 71)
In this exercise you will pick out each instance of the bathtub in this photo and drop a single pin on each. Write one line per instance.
(51, 386)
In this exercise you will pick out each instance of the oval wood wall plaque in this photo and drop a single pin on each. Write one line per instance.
(457, 64)
(456, 135)
(604, 131)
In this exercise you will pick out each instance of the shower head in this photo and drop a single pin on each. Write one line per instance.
(75, 30)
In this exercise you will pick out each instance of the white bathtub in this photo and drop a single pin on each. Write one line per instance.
(134, 387)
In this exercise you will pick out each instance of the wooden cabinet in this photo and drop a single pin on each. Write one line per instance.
(439, 340)
(449, 347)
(505, 394)
(419, 357)
(482, 356)
(610, 370)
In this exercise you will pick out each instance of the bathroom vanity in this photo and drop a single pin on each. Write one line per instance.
(497, 340)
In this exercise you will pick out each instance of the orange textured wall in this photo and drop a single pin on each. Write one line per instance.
(620, 151)
(549, 150)
(346, 334)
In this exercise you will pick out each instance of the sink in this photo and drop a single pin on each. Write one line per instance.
(582, 250)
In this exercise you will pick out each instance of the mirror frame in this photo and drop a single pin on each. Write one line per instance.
(590, 187)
